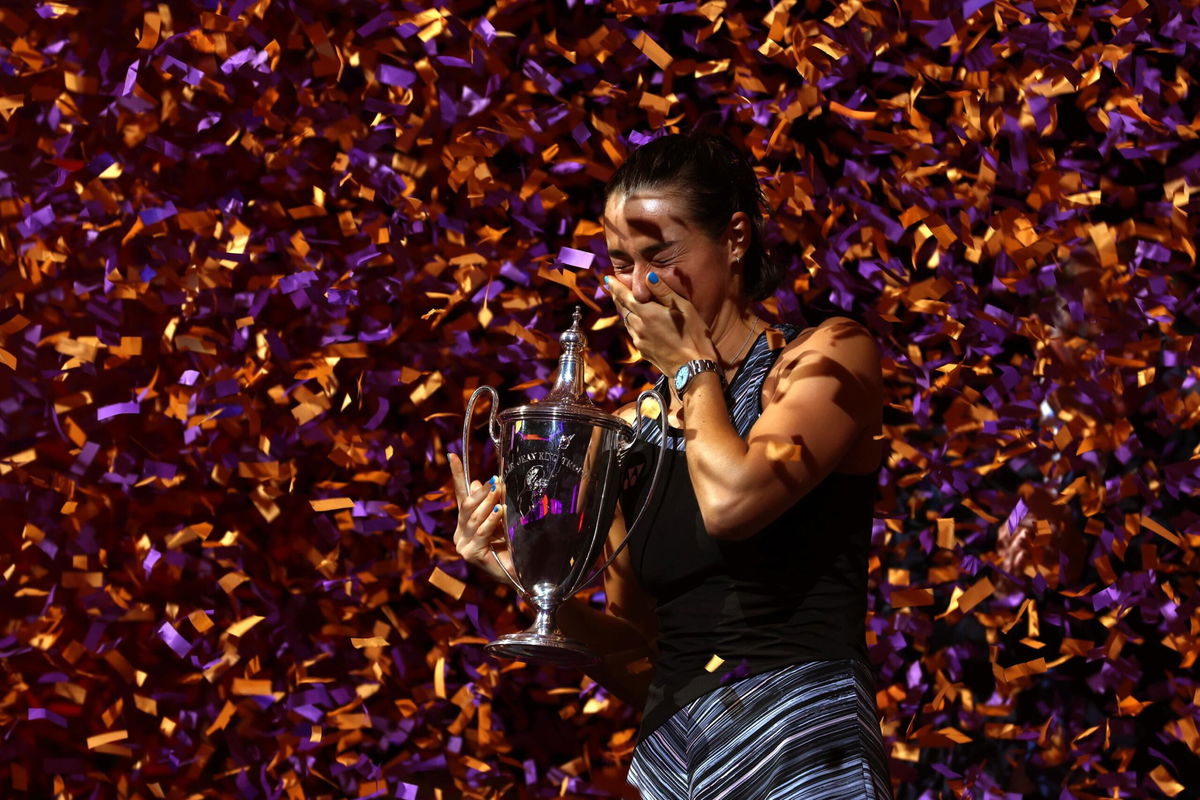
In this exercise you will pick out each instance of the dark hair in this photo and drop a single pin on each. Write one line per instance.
(717, 181)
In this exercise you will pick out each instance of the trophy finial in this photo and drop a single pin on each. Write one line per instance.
(568, 386)
(572, 338)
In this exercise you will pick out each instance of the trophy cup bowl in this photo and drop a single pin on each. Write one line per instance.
(562, 460)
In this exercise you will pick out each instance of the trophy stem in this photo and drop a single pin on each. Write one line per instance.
(542, 641)
(544, 622)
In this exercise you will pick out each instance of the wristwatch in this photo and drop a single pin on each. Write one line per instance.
(684, 375)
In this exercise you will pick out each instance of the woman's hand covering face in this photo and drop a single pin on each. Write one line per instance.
(667, 329)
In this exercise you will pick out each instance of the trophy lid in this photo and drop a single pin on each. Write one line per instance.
(568, 397)
(568, 385)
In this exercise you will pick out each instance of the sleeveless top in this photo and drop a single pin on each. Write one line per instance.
(796, 591)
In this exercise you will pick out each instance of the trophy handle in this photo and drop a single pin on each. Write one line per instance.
(662, 457)
(494, 432)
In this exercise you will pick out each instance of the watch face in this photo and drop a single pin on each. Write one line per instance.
(681, 377)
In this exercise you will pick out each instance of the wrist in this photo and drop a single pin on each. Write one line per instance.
(687, 356)
(688, 374)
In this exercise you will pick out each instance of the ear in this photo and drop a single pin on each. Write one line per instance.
(738, 233)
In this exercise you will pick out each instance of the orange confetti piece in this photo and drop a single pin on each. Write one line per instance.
(349, 722)
(223, 717)
(9, 104)
(243, 625)
(945, 533)
(232, 581)
(129, 346)
(331, 504)
(1034, 667)
(905, 598)
(251, 687)
(200, 621)
(150, 28)
(1162, 778)
(653, 50)
(447, 583)
(101, 739)
(439, 678)
(370, 641)
(1131, 706)
(1186, 732)
(973, 596)
(1151, 525)
(476, 764)
(954, 735)
(852, 113)
(964, 601)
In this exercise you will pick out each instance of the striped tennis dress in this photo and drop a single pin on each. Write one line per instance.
(761, 687)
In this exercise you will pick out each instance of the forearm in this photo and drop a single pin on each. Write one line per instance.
(716, 454)
(624, 666)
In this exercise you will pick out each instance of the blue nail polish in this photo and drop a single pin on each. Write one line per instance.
(495, 509)
(606, 280)
(653, 277)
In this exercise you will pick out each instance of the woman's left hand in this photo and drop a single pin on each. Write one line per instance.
(667, 330)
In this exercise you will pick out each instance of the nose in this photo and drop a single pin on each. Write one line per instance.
(641, 291)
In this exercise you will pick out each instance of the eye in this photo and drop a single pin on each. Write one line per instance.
(621, 269)
(665, 257)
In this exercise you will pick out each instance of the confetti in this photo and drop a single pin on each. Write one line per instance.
(448, 584)
(240, 627)
(258, 263)
(101, 739)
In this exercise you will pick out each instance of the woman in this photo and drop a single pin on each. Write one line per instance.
(747, 588)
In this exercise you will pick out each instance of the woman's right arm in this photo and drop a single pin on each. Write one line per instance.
(622, 634)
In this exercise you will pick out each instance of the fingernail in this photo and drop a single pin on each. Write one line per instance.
(653, 277)
(495, 509)
(606, 280)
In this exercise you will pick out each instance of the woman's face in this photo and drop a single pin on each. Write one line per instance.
(650, 231)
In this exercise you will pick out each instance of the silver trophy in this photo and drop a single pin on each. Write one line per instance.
(562, 461)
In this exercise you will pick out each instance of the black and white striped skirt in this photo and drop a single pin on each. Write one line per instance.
(804, 731)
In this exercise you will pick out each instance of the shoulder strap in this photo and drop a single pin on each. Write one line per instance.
(746, 393)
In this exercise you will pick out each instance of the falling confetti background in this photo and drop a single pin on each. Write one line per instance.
(258, 253)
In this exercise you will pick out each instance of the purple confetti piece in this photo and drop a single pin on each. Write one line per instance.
(580, 259)
(180, 645)
(48, 715)
(395, 76)
(116, 409)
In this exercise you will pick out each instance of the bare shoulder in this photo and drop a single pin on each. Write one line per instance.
(839, 339)
(839, 349)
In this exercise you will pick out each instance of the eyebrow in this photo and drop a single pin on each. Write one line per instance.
(647, 251)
